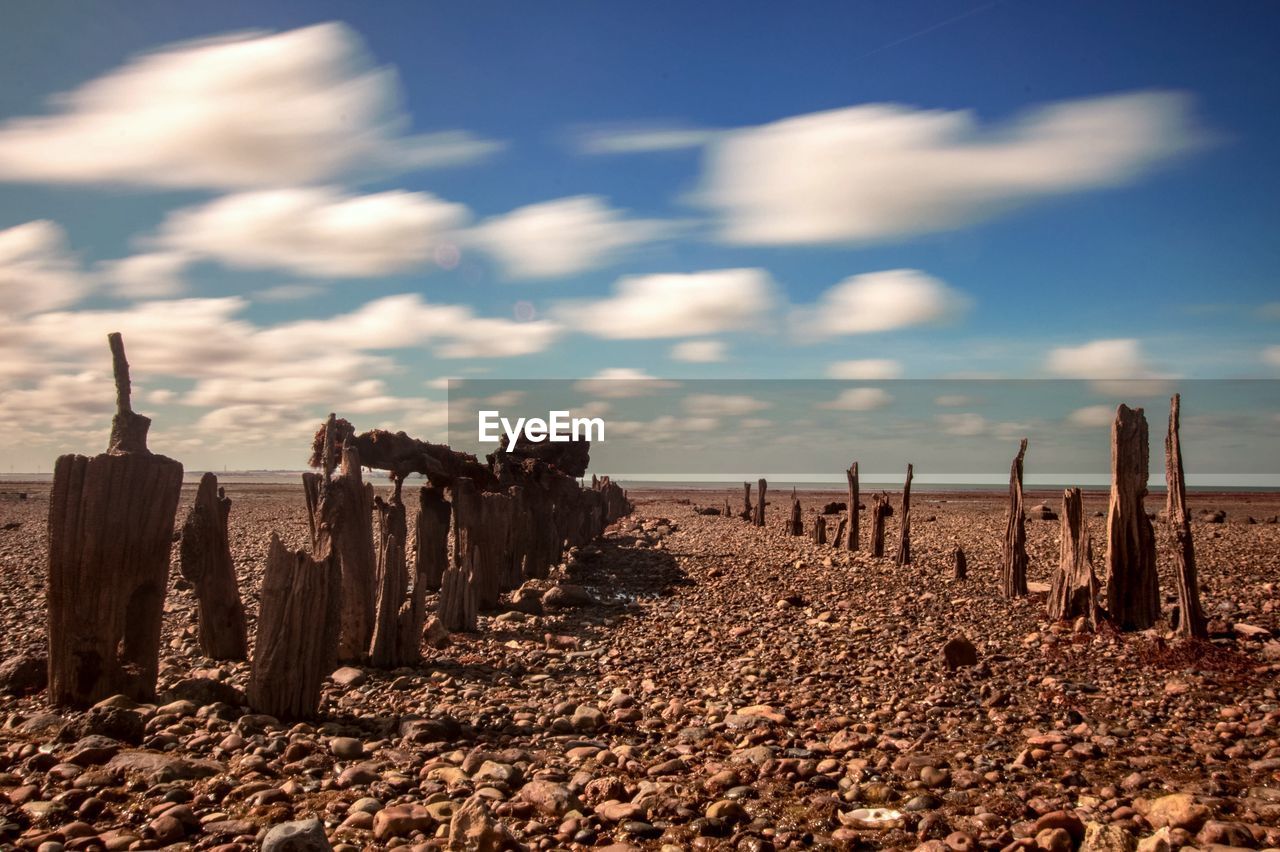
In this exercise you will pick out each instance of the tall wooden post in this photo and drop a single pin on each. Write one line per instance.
(392, 583)
(761, 488)
(879, 511)
(851, 531)
(820, 530)
(1074, 591)
(111, 523)
(1013, 575)
(746, 501)
(205, 560)
(1191, 620)
(1133, 587)
(458, 602)
(796, 525)
(904, 530)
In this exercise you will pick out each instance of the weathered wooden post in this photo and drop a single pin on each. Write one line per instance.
(761, 488)
(111, 523)
(879, 511)
(838, 539)
(297, 639)
(351, 499)
(726, 511)
(1133, 587)
(904, 530)
(1191, 620)
(458, 605)
(960, 563)
(819, 530)
(747, 513)
(205, 560)
(796, 525)
(393, 580)
(1074, 591)
(429, 566)
(851, 531)
(1013, 575)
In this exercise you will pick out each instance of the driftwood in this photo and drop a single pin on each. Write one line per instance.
(747, 513)
(392, 584)
(879, 511)
(851, 533)
(796, 525)
(457, 606)
(205, 559)
(1013, 574)
(838, 538)
(758, 517)
(960, 563)
(111, 521)
(1191, 620)
(819, 530)
(568, 457)
(430, 564)
(297, 639)
(1074, 591)
(1133, 590)
(904, 531)
(401, 455)
(349, 505)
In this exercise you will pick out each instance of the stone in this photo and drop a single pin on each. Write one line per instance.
(300, 836)
(435, 635)
(1100, 837)
(400, 821)
(473, 828)
(1177, 810)
(959, 652)
(548, 797)
(349, 677)
(346, 748)
(587, 718)
(1054, 840)
(566, 596)
(24, 673)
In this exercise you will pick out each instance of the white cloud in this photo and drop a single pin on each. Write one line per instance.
(147, 276)
(638, 140)
(699, 351)
(1092, 416)
(964, 424)
(1271, 355)
(288, 293)
(883, 171)
(879, 301)
(859, 399)
(866, 369)
(37, 270)
(621, 383)
(237, 111)
(563, 237)
(1120, 358)
(951, 400)
(723, 405)
(314, 231)
(677, 305)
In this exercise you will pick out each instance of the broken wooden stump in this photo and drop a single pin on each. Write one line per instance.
(1133, 590)
(879, 511)
(851, 532)
(1074, 590)
(1191, 621)
(392, 583)
(838, 538)
(205, 560)
(430, 563)
(458, 603)
(796, 525)
(111, 521)
(297, 639)
(1013, 565)
(747, 512)
(757, 517)
(960, 563)
(904, 530)
(819, 530)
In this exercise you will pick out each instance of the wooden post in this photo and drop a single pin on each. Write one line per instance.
(747, 514)
(796, 525)
(297, 639)
(1074, 591)
(904, 530)
(726, 511)
(838, 538)
(960, 562)
(1133, 587)
(1013, 576)
(205, 560)
(851, 531)
(758, 518)
(392, 582)
(429, 567)
(1191, 620)
(458, 600)
(879, 511)
(820, 530)
(111, 523)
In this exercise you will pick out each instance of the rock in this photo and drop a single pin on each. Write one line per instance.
(300, 836)
(434, 634)
(1054, 840)
(1222, 833)
(24, 673)
(1212, 516)
(959, 652)
(548, 798)
(1158, 842)
(203, 691)
(349, 676)
(727, 810)
(472, 828)
(400, 821)
(1250, 631)
(1177, 810)
(346, 748)
(1041, 512)
(1099, 837)
(566, 596)
(587, 718)
(528, 600)
(114, 722)
(1064, 820)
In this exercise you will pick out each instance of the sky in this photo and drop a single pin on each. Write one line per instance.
(295, 208)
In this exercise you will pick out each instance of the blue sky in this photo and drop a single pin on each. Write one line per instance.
(856, 191)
